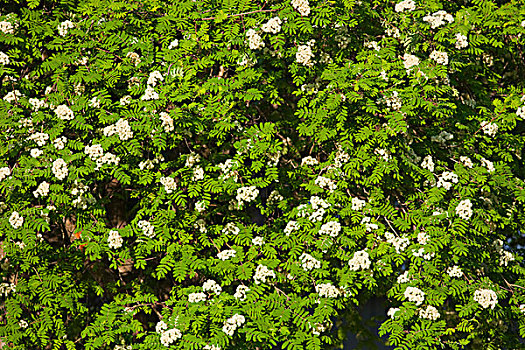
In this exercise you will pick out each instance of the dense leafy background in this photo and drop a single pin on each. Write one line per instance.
(230, 119)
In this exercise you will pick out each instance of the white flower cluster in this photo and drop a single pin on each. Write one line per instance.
(272, 26)
(383, 153)
(240, 292)
(430, 313)
(446, 180)
(392, 312)
(4, 58)
(443, 137)
(198, 174)
(304, 54)
(94, 102)
(59, 169)
(63, 112)
(16, 220)
(60, 142)
(308, 262)
(211, 285)
(326, 183)
(170, 336)
(96, 154)
(487, 164)
(340, 158)
(40, 138)
(454, 271)
(169, 184)
(428, 163)
(421, 254)
(6, 288)
(258, 241)
(64, 26)
(212, 347)
(415, 295)
(486, 298)
(274, 198)
(150, 164)
(403, 278)
(12, 96)
(360, 261)
(231, 324)
(489, 128)
(422, 238)
(226, 254)
(461, 41)
(231, 228)
(4, 172)
(147, 228)
(114, 240)
(466, 161)
(121, 128)
(154, 77)
(261, 273)
(520, 112)
(149, 94)
(227, 169)
(399, 243)
(405, 5)
(291, 226)
(42, 190)
(504, 256)
(246, 194)
(134, 57)
(7, 27)
(303, 6)
(200, 206)
(464, 209)
(358, 204)
(410, 61)
(369, 226)
(196, 297)
(319, 328)
(78, 189)
(255, 41)
(35, 152)
(440, 57)
(23, 324)
(125, 100)
(327, 290)
(167, 121)
(37, 104)
(438, 19)
(331, 228)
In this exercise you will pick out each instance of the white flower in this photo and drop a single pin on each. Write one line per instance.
(64, 26)
(258, 240)
(415, 295)
(170, 336)
(430, 313)
(154, 77)
(7, 27)
(486, 298)
(520, 112)
(240, 292)
(440, 57)
(40, 138)
(198, 174)
(59, 169)
(454, 271)
(12, 96)
(438, 19)
(42, 190)
(403, 278)
(489, 128)
(167, 121)
(254, 40)
(147, 228)
(360, 261)
(461, 41)
(466, 161)
(308, 262)
(94, 102)
(272, 26)
(169, 184)
(211, 285)
(261, 273)
(392, 312)
(63, 112)
(327, 290)
(134, 57)
(173, 44)
(290, 227)
(410, 61)
(487, 164)
(428, 163)
(4, 59)
(4, 172)
(246, 194)
(303, 6)
(464, 209)
(161, 327)
(35, 152)
(399, 243)
(23, 324)
(326, 183)
(231, 228)
(226, 254)
(446, 180)
(331, 228)
(114, 240)
(358, 204)
(405, 5)
(196, 297)
(16, 220)
(125, 100)
(149, 94)
(304, 55)
(422, 238)
(231, 324)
